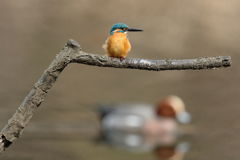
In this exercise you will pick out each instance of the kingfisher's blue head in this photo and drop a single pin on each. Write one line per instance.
(121, 27)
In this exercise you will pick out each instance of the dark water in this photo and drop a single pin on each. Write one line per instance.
(65, 126)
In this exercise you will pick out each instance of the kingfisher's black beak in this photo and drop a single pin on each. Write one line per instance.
(134, 30)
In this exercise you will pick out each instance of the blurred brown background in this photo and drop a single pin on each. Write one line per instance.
(33, 31)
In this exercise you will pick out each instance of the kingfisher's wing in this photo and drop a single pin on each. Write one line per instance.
(104, 46)
(127, 45)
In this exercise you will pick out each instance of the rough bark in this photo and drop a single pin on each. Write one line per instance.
(71, 53)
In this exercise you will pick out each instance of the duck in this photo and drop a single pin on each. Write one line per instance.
(142, 127)
(167, 114)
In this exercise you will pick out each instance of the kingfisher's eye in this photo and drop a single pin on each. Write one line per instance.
(124, 29)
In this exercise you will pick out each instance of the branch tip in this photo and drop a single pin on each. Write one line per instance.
(5, 142)
(227, 61)
(73, 44)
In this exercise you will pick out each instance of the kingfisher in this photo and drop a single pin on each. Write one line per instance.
(117, 44)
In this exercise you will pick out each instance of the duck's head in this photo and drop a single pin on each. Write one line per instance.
(173, 107)
(121, 27)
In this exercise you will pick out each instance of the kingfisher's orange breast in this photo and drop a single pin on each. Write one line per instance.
(118, 45)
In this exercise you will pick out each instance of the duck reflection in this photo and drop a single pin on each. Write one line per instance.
(142, 127)
(172, 152)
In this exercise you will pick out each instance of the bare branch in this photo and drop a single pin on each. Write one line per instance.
(72, 53)
(154, 65)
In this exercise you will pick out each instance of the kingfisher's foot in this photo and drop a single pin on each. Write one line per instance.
(121, 58)
(111, 57)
